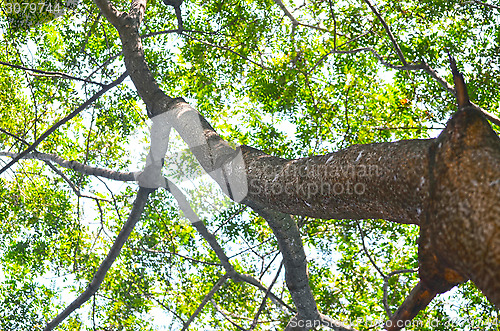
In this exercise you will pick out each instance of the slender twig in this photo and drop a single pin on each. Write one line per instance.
(75, 189)
(93, 313)
(264, 270)
(224, 48)
(181, 256)
(250, 248)
(148, 295)
(50, 73)
(375, 53)
(135, 214)
(346, 113)
(483, 4)
(295, 22)
(156, 33)
(252, 281)
(64, 120)
(105, 63)
(336, 51)
(89, 33)
(266, 295)
(411, 67)
(389, 32)
(206, 299)
(332, 13)
(115, 203)
(366, 251)
(225, 315)
(231, 217)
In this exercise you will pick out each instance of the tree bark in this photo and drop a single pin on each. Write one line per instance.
(450, 186)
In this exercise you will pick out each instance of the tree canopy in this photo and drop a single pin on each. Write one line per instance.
(284, 79)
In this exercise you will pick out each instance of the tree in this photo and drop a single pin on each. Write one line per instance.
(277, 87)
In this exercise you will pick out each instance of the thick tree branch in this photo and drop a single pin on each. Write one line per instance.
(135, 215)
(113, 15)
(386, 285)
(137, 10)
(64, 120)
(345, 184)
(294, 258)
(412, 181)
(127, 26)
(321, 187)
(214, 244)
(77, 166)
(286, 12)
(418, 299)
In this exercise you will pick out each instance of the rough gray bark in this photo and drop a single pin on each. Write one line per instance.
(450, 186)
(460, 236)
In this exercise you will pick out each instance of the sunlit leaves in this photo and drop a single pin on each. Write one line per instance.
(259, 80)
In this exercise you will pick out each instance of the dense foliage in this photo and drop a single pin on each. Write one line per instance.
(291, 90)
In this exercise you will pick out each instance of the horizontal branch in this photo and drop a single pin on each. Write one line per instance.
(74, 165)
(181, 256)
(51, 73)
(224, 48)
(387, 180)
